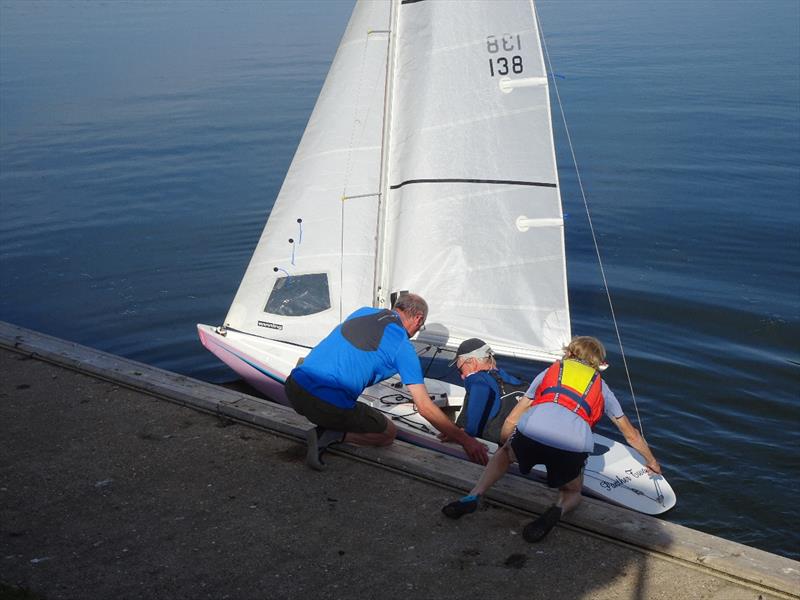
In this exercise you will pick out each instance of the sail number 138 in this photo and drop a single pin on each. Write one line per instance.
(503, 65)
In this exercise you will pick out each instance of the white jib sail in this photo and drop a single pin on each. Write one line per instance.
(473, 217)
(315, 261)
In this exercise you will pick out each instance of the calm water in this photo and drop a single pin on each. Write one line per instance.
(142, 144)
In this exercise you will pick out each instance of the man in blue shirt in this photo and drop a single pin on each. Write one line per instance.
(370, 346)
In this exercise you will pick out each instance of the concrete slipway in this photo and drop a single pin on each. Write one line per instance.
(107, 491)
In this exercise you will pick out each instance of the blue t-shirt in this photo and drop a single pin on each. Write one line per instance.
(482, 400)
(551, 424)
(370, 346)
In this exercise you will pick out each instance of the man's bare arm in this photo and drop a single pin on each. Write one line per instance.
(476, 451)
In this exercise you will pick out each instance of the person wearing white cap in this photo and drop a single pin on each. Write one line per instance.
(491, 392)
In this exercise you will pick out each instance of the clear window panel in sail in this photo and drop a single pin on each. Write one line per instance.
(299, 295)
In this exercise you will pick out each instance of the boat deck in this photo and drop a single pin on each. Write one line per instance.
(108, 491)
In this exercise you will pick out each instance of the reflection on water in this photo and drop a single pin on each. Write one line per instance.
(141, 145)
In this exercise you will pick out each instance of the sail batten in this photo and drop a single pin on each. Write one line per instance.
(471, 180)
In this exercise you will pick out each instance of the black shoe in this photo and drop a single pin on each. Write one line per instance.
(464, 506)
(535, 531)
(318, 439)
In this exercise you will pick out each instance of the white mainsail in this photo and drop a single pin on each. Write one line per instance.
(473, 215)
(446, 187)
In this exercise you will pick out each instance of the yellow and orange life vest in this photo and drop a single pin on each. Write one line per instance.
(574, 386)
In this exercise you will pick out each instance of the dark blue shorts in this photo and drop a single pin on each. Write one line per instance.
(562, 465)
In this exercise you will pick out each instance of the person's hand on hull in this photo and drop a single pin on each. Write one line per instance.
(477, 452)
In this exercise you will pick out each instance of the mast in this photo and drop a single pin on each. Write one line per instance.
(381, 293)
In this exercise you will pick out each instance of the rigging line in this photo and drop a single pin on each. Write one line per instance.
(430, 362)
(591, 225)
(412, 424)
(395, 399)
(264, 337)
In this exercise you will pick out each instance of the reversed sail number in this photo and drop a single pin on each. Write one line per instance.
(503, 65)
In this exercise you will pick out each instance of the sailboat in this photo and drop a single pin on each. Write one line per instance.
(428, 164)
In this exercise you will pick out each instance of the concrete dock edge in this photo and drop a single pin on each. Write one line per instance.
(756, 568)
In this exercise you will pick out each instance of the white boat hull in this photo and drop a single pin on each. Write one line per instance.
(614, 473)
(264, 364)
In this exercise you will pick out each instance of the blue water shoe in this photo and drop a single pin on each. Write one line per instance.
(463, 506)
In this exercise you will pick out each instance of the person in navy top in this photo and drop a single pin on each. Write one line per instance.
(491, 392)
(369, 346)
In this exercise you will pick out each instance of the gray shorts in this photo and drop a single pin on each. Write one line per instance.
(359, 419)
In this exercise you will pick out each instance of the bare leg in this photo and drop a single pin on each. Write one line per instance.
(497, 467)
(384, 438)
(569, 494)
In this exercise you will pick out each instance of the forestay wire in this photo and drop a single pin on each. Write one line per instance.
(591, 225)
